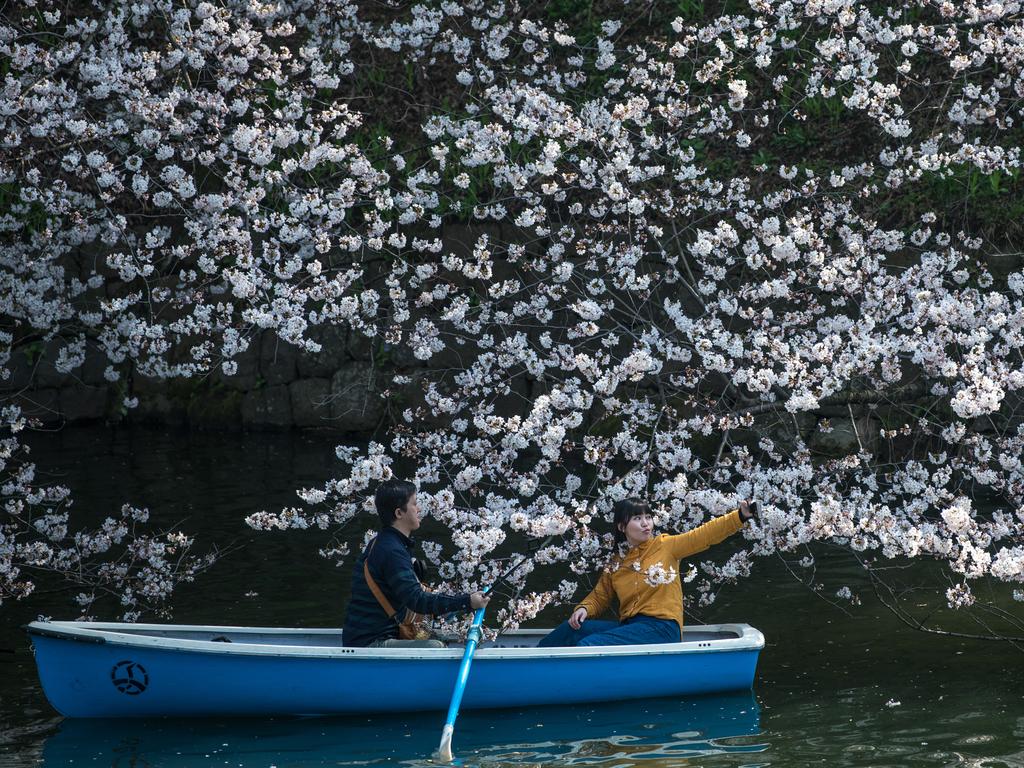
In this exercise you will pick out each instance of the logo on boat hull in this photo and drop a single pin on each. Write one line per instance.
(129, 677)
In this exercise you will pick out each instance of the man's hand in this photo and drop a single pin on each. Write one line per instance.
(748, 510)
(577, 618)
(478, 600)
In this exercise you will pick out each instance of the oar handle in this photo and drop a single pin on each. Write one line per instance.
(472, 639)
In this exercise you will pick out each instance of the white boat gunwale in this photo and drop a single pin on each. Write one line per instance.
(747, 639)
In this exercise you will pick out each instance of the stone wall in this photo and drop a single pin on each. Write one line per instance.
(348, 387)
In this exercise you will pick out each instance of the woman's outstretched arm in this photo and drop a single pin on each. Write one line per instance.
(704, 536)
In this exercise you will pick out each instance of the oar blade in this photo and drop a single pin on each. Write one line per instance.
(444, 751)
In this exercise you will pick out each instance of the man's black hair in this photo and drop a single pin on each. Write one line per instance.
(390, 495)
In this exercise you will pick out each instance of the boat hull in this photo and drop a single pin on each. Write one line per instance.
(113, 675)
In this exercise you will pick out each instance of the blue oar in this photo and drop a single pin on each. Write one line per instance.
(444, 751)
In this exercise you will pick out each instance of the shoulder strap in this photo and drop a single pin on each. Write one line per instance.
(384, 602)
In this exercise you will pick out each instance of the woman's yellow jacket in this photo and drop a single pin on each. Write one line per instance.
(629, 578)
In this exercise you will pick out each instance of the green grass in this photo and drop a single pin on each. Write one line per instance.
(821, 108)
(690, 10)
(578, 15)
(32, 351)
(32, 215)
(984, 203)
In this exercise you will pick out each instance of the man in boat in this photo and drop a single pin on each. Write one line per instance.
(386, 588)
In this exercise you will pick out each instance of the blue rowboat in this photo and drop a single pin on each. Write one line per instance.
(145, 670)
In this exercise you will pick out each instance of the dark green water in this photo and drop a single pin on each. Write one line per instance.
(832, 689)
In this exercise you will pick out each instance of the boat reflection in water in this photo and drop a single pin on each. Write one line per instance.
(619, 734)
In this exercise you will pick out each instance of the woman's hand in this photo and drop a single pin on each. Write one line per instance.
(577, 618)
(478, 600)
(748, 510)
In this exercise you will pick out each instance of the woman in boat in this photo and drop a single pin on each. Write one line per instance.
(644, 578)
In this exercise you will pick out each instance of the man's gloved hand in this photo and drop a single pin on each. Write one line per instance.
(419, 569)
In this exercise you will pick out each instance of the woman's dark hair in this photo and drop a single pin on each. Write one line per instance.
(625, 510)
(390, 495)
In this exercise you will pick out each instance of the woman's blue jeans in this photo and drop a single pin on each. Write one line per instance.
(638, 630)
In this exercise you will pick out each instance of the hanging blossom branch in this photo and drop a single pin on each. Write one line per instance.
(697, 238)
(114, 560)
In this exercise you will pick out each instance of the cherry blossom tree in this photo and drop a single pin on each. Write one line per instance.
(706, 240)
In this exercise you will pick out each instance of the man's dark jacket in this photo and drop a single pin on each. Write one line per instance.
(390, 561)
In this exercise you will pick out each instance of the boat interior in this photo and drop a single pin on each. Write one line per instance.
(331, 638)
